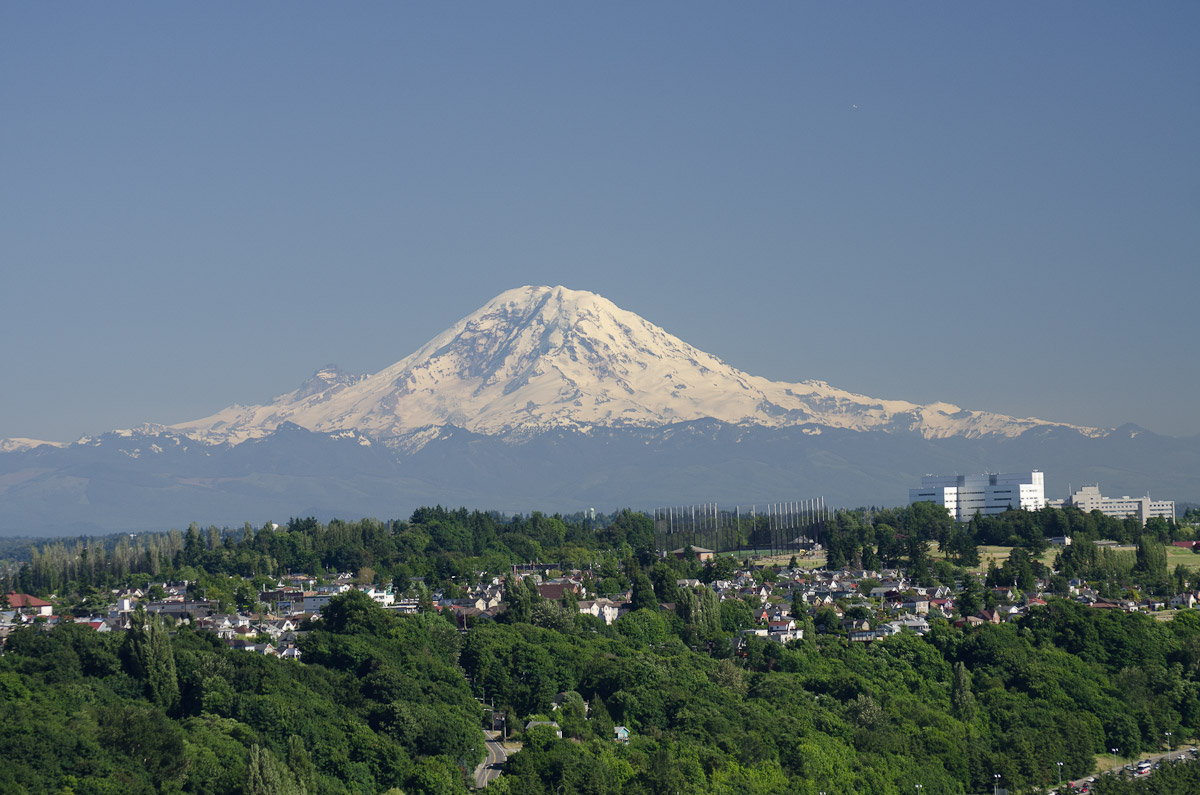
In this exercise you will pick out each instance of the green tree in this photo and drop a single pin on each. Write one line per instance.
(970, 599)
(267, 776)
(663, 579)
(643, 593)
(519, 596)
(149, 658)
(1151, 565)
(301, 765)
(355, 613)
(962, 700)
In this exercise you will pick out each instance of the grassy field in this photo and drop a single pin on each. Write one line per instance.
(999, 554)
(994, 553)
(1177, 555)
(812, 560)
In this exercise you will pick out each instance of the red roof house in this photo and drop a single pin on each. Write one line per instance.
(29, 605)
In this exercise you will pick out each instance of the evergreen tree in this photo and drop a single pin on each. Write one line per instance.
(962, 701)
(1151, 563)
(643, 593)
(516, 597)
(970, 600)
(148, 656)
(709, 621)
(301, 765)
(687, 607)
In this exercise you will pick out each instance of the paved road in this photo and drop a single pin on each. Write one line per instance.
(489, 768)
(1178, 755)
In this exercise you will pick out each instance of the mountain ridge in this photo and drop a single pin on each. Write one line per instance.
(118, 482)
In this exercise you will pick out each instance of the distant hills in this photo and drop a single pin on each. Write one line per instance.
(551, 399)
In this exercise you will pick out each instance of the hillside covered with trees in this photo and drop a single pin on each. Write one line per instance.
(384, 702)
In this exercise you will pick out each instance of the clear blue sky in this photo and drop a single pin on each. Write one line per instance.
(992, 204)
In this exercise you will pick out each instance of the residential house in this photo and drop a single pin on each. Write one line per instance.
(123, 607)
(315, 602)
(28, 605)
(554, 590)
(383, 596)
(180, 608)
(1185, 599)
(606, 610)
(784, 631)
(550, 723)
(917, 624)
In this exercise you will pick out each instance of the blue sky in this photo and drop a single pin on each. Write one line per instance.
(992, 204)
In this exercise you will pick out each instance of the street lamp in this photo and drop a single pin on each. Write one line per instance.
(1169, 749)
(919, 788)
(1060, 775)
(996, 788)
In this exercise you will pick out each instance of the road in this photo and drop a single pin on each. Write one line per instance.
(1178, 755)
(489, 768)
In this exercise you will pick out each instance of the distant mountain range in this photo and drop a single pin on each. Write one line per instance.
(550, 399)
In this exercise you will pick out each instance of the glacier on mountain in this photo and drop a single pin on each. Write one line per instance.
(536, 359)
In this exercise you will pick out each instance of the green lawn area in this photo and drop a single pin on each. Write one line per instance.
(990, 553)
(1177, 555)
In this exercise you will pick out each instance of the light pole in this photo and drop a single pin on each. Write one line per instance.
(919, 788)
(1060, 775)
(996, 789)
(1169, 749)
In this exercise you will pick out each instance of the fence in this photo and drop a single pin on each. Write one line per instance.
(774, 528)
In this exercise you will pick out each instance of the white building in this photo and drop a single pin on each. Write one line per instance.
(987, 494)
(1089, 499)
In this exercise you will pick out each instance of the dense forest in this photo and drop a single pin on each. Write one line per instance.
(384, 702)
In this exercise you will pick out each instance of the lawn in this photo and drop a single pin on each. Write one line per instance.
(1177, 555)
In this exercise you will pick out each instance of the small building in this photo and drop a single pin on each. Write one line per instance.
(552, 724)
(701, 553)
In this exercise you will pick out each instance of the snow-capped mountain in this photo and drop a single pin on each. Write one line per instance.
(556, 400)
(536, 359)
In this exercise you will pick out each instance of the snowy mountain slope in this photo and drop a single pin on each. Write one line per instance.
(18, 444)
(536, 359)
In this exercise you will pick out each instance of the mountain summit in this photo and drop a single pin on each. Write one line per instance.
(536, 359)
